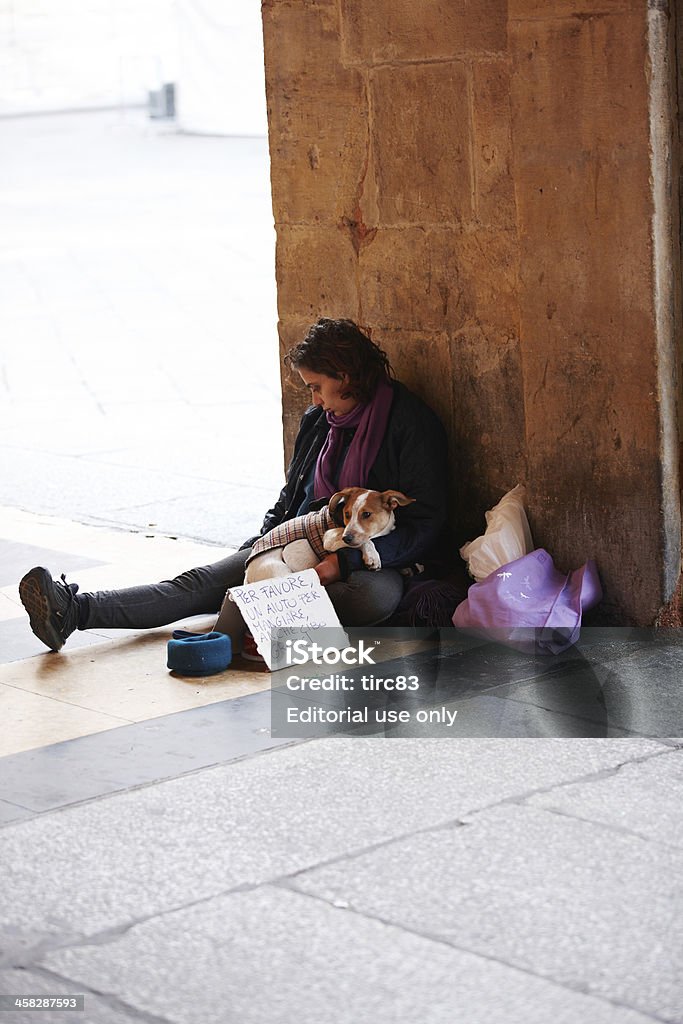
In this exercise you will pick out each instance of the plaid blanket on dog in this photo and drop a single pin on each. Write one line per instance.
(311, 527)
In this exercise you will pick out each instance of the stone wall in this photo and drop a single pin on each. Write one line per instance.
(472, 180)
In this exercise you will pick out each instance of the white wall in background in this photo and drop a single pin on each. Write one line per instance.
(71, 54)
(221, 81)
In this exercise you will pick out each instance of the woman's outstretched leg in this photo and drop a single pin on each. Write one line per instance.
(56, 609)
(367, 598)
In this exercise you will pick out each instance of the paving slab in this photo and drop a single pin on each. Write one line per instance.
(643, 799)
(97, 1010)
(88, 767)
(31, 719)
(126, 679)
(494, 716)
(221, 516)
(638, 690)
(104, 864)
(15, 558)
(565, 899)
(12, 812)
(17, 642)
(271, 955)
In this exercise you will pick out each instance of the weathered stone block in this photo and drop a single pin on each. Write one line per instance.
(490, 268)
(439, 279)
(405, 30)
(583, 80)
(611, 521)
(317, 114)
(488, 455)
(581, 166)
(316, 273)
(422, 362)
(594, 297)
(524, 9)
(492, 144)
(410, 279)
(421, 143)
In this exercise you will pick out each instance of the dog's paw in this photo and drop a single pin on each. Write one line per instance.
(371, 560)
(332, 541)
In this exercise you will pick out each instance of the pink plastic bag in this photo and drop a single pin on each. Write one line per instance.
(529, 605)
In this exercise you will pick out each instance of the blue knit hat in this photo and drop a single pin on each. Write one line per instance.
(198, 654)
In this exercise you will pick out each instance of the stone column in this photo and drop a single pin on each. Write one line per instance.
(485, 184)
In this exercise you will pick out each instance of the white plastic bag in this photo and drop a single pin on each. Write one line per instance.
(507, 537)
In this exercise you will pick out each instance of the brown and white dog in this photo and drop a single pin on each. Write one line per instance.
(362, 516)
(366, 515)
(281, 561)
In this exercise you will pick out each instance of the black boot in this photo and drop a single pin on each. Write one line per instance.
(51, 605)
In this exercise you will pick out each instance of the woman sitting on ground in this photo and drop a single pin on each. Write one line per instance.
(364, 429)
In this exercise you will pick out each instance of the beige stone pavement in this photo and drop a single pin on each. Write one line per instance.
(121, 677)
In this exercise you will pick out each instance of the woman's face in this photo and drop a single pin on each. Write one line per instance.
(327, 391)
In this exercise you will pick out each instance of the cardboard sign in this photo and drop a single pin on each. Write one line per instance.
(297, 601)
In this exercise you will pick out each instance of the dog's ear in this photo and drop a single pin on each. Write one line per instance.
(336, 505)
(391, 499)
(316, 505)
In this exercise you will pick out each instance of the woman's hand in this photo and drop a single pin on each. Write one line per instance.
(328, 570)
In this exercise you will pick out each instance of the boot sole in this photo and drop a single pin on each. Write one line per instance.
(35, 602)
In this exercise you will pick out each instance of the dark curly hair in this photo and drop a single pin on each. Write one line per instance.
(336, 347)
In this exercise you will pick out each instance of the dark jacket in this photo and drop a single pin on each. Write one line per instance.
(411, 458)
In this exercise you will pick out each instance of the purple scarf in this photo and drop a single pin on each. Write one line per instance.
(370, 421)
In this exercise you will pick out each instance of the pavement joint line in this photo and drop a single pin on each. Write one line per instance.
(69, 703)
(600, 773)
(464, 820)
(549, 675)
(106, 936)
(603, 825)
(108, 998)
(527, 972)
(13, 803)
(173, 382)
(289, 881)
(83, 379)
(135, 787)
(596, 776)
(517, 799)
(626, 733)
(29, 958)
(26, 959)
(131, 527)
